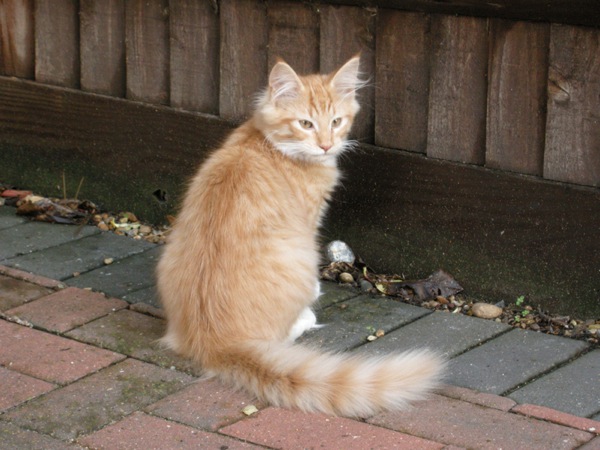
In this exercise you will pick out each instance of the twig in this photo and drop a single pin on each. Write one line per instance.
(79, 188)
(64, 185)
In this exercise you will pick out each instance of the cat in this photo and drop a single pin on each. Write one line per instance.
(240, 269)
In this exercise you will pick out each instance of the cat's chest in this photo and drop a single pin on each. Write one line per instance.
(310, 191)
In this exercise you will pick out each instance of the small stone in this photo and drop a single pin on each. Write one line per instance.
(365, 285)
(249, 410)
(145, 229)
(343, 306)
(345, 277)
(371, 338)
(486, 310)
(76, 274)
(108, 261)
(338, 251)
(379, 333)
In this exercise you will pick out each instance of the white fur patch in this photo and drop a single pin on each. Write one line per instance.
(305, 322)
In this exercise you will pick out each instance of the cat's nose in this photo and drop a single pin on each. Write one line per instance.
(325, 147)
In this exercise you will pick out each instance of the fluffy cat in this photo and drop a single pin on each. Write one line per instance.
(240, 270)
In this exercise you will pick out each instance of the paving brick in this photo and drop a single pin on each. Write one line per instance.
(132, 334)
(81, 255)
(14, 438)
(333, 293)
(121, 277)
(574, 388)
(49, 357)
(34, 236)
(66, 309)
(150, 310)
(348, 326)
(147, 295)
(449, 334)
(561, 418)
(282, 428)
(31, 278)
(467, 425)
(15, 292)
(206, 404)
(9, 218)
(478, 398)
(95, 401)
(594, 444)
(18, 388)
(510, 360)
(141, 431)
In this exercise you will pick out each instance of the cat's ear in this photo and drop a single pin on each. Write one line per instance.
(347, 79)
(284, 84)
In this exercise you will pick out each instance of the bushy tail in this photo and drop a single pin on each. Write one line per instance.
(294, 376)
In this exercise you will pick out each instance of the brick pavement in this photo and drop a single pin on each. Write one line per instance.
(81, 369)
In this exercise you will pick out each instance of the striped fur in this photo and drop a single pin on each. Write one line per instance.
(241, 263)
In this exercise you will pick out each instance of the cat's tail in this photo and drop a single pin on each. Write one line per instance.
(294, 376)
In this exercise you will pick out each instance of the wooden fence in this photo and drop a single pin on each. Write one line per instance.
(514, 95)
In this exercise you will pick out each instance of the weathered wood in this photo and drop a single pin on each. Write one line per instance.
(458, 88)
(125, 150)
(294, 35)
(345, 32)
(17, 56)
(573, 129)
(516, 118)
(57, 42)
(194, 55)
(576, 12)
(147, 50)
(243, 51)
(103, 46)
(401, 97)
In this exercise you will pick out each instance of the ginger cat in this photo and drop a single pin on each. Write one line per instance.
(240, 271)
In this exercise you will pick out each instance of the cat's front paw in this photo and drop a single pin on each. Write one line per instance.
(305, 322)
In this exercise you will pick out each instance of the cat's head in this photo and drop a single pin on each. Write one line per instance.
(309, 117)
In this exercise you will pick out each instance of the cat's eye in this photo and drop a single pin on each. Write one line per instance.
(336, 122)
(306, 124)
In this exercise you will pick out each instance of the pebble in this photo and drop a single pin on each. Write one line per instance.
(345, 277)
(108, 261)
(371, 338)
(486, 310)
(338, 251)
(380, 333)
(365, 285)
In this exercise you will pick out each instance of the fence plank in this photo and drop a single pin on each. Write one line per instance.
(103, 46)
(344, 32)
(457, 100)
(244, 39)
(573, 128)
(57, 42)
(16, 38)
(194, 56)
(516, 119)
(147, 50)
(402, 72)
(294, 35)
